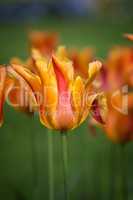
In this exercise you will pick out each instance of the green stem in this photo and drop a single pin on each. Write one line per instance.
(123, 173)
(112, 170)
(34, 164)
(65, 162)
(50, 165)
(122, 184)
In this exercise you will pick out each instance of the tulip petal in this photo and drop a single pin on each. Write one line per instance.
(99, 109)
(22, 93)
(44, 118)
(61, 53)
(65, 66)
(89, 99)
(93, 70)
(34, 83)
(2, 88)
(49, 88)
(78, 97)
(64, 114)
(32, 79)
(49, 91)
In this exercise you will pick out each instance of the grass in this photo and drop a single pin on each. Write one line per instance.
(23, 140)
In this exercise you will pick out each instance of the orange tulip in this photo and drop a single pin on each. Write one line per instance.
(44, 42)
(116, 73)
(81, 60)
(66, 100)
(20, 95)
(15, 91)
(119, 126)
(119, 68)
(11, 92)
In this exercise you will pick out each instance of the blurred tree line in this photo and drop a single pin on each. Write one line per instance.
(116, 10)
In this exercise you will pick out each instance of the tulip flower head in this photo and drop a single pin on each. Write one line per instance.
(65, 100)
(115, 75)
(119, 126)
(15, 91)
(118, 68)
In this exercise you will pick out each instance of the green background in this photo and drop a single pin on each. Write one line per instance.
(94, 162)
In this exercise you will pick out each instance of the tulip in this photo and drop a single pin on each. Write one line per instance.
(118, 68)
(6, 85)
(44, 42)
(113, 77)
(15, 91)
(66, 101)
(118, 125)
(119, 129)
(116, 73)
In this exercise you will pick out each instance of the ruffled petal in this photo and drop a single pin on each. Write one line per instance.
(78, 97)
(99, 109)
(49, 91)
(32, 79)
(88, 102)
(21, 96)
(94, 69)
